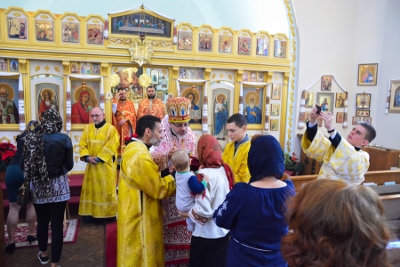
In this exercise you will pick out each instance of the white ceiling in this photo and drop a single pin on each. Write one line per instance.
(255, 15)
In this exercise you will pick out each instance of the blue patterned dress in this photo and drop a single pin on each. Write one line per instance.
(257, 222)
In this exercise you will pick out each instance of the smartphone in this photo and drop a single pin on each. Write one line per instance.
(318, 109)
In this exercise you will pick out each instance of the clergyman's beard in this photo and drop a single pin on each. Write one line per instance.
(3, 98)
(151, 96)
(180, 136)
(154, 141)
(251, 105)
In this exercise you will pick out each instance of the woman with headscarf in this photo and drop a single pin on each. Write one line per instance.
(255, 212)
(14, 180)
(47, 158)
(209, 242)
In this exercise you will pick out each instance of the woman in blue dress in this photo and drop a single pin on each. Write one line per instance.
(255, 212)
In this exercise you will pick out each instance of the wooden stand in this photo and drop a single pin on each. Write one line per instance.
(382, 158)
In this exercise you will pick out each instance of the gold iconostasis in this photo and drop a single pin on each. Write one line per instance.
(72, 63)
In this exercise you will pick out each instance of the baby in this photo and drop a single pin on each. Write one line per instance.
(187, 185)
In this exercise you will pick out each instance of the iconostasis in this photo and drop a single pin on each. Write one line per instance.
(72, 64)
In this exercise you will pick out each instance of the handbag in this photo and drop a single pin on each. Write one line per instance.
(24, 194)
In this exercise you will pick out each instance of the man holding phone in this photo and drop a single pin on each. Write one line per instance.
(342, 158)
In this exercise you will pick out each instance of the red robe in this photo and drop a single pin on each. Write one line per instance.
(79, 114)
(125, 110)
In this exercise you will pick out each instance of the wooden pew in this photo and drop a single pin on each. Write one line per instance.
(378, 177)
(390, 195)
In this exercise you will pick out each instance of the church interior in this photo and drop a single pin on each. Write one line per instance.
(271, 61)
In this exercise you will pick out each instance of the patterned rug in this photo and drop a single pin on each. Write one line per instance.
(70, 234)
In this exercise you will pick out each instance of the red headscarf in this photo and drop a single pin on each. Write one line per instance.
(210, 156)
(84, 93)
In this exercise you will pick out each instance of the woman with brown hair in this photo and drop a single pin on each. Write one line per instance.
(255, 211)
(209, 242)
(336, 224)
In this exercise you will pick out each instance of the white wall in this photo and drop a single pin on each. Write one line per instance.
(336, 36)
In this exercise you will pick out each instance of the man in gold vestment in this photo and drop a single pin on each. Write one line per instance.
(235, 152)
(98, 148)
(343, 159)
(151, 105)
(125, 117)
(140, 238)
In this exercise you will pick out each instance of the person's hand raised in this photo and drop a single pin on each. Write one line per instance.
(313, 115)
(328, 120)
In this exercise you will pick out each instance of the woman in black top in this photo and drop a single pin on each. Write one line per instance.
(47, 158)
(14, 180)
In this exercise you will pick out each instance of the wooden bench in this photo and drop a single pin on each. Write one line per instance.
(390, 194)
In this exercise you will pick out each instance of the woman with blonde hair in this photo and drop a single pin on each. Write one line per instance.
(336, 224)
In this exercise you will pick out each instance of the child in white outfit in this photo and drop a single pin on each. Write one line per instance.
(187, 184)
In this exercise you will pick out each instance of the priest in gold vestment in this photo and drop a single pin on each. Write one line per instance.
(140, 234)
(343, 159)
(98, 148)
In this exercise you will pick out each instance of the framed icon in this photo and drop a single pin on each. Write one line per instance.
(275, 109)
(154, 76)
(274, 124)
(363, 101)
(245, 76)
(14, 66)
(3, 64)
(355, 120)
(340, 100)
(325, 100)
(276, 91)
(225, 43)
(362, 112)
(185, 40)
(339, 117)
(394, 101)
(367, 74)
(326, 83)
(205, 42)
(309, 100)
(244, 45)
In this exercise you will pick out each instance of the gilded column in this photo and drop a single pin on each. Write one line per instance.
(175, 89)
(66, 71)
(207, 74)
(23, 69)
(240, 89)
(268, 100)
(105, 72)
(286, 93)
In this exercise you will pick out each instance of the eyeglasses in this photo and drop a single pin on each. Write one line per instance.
(95, 115)
(181, 125)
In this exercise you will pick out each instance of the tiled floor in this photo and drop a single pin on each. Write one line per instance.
(88, 251)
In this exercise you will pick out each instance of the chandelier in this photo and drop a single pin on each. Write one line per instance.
(141, 50)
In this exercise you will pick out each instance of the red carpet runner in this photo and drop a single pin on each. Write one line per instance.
(111, 244)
